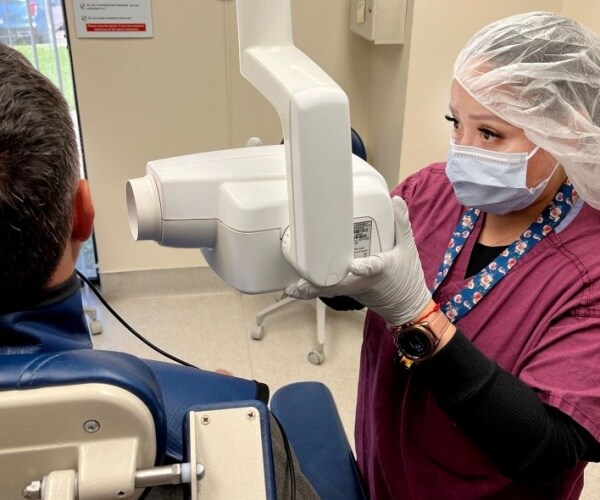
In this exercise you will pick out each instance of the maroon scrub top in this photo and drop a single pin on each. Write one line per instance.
(541, 323)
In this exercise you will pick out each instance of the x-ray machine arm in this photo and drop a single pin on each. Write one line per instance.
(263, 216)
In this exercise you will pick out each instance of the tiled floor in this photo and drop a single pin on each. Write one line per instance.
(193, 315)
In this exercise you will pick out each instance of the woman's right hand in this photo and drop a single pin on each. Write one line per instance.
(390, 283)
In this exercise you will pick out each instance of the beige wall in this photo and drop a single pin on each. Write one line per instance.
(181, 92)
(146, 99)
(344, 57)
(585, 11)
(387, 93)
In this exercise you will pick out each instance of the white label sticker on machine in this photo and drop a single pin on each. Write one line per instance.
(363, 228)
(362, 237)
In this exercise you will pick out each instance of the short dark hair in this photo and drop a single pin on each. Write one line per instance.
(39, 172)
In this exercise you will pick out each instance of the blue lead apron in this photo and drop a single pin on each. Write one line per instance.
(481, 283)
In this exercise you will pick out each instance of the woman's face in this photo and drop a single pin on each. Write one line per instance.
(474, 125)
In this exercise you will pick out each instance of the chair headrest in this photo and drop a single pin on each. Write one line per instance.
(28, 371)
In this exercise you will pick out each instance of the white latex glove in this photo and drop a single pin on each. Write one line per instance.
(390, 283)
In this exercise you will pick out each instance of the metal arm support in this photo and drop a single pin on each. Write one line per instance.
(61, 485)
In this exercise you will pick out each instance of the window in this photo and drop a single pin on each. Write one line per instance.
(37, 29)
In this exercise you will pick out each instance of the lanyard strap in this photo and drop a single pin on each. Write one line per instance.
(480, 284)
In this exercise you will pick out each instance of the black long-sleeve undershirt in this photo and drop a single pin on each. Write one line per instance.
(528, 441)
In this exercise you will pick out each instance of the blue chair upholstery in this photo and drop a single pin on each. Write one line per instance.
(313, 427)
(81, 366)
(307, 410)
(358, 146)
(168, 390)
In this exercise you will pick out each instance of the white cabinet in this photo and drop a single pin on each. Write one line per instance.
(379, 21)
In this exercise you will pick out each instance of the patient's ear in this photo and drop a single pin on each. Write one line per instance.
(83, 212)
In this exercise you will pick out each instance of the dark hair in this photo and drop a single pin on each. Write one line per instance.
(38, 175)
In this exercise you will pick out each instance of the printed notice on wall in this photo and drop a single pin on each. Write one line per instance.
(118, 19)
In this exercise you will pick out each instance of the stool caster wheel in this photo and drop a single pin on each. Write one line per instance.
(257, 332)
(316, 357)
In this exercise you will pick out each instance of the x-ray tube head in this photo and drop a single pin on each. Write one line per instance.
(233, 206)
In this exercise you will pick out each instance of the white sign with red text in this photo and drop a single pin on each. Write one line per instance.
(116, 19)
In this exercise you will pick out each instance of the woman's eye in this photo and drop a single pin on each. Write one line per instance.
(453, 120)
(488, 134)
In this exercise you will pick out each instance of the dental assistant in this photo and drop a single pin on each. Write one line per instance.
(480, 364)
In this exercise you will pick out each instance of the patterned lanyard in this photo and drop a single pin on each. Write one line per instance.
(487, 278)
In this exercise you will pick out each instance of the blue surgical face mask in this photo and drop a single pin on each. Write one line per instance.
(491, 181)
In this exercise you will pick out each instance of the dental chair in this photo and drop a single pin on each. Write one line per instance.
(89, 424)
(257, 332)
(78, 424)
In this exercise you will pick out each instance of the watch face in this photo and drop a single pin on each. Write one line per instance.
(414, 343)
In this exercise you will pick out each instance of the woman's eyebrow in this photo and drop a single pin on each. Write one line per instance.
(478, 116)
(486, 116)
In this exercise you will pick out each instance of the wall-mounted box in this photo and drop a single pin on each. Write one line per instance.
(379, 21)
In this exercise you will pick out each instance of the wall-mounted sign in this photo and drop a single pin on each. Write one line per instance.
(117, 19)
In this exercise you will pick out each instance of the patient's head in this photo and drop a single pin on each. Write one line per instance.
(38, 174)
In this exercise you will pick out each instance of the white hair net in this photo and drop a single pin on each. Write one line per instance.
(541, 72)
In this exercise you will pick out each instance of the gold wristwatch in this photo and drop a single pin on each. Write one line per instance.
(416, 341)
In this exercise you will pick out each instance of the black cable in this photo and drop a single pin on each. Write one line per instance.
(126, 325)
(288, 452)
